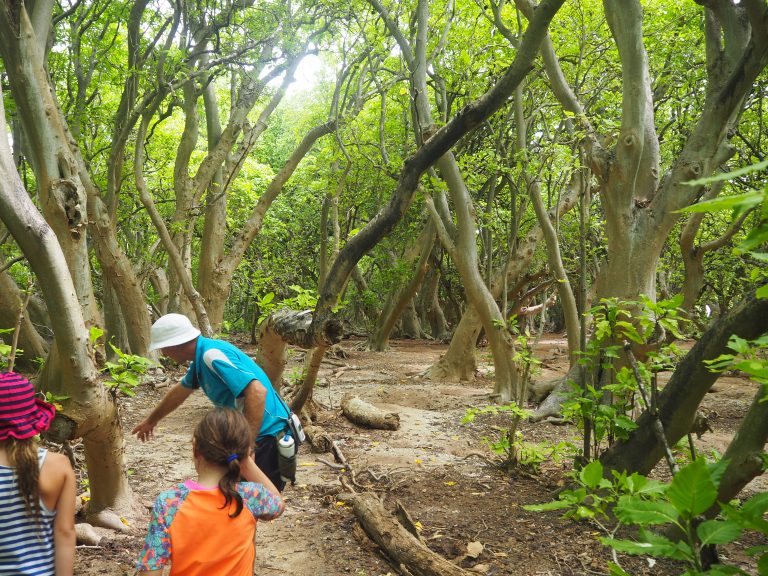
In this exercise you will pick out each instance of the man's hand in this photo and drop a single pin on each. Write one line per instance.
(144, 430)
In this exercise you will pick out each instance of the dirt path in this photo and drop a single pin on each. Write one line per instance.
(430, 465)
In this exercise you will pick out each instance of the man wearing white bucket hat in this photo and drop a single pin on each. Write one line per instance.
(228, 377)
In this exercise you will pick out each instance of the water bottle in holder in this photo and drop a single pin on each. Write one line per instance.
(286, 458)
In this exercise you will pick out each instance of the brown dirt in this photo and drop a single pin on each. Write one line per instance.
(436, 467)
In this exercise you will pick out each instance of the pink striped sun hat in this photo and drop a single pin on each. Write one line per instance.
(21, 414)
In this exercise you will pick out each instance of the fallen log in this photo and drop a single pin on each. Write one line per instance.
(365, 414)
(399, 545)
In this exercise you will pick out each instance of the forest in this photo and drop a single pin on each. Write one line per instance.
(545, 221)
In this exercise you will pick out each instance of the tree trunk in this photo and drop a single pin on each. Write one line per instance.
(683, 393)
(62, 195)
(114, 327)
(402, 295)
(438, 325)
(441, 141)
(72, 372)
(30, 342)
(411, 326)
(216, 288)
(459, 363)
(215, 222)
(289, 327)
(567, 299)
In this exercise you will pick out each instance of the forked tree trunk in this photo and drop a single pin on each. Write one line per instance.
(73, 373)
(440, 142)
(640, 209)
(459, 362)
(216, 287)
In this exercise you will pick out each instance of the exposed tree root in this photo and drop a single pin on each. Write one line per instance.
(108, 519)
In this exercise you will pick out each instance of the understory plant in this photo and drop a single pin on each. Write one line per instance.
(510, 443)
(603, 406)
(653, 510)
(126, 373)
(5, 349)
(748, 356)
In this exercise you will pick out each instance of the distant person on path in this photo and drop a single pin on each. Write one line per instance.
(207, 527)
(37, 488)
(229, 378)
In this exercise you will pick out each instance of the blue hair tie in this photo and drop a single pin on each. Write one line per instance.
(231, 457)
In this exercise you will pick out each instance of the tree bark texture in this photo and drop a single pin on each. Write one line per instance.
(30, 342)
(62, 196)
(459, 362)
(745, 452)
(289, 327)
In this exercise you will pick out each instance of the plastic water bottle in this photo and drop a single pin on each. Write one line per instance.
(286, 450)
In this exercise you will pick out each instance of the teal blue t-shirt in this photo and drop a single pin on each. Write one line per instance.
(223, 371)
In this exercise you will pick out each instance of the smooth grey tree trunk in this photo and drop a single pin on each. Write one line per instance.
(70, 370)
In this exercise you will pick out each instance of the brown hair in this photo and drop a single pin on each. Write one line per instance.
(22, 455)
(223, 438)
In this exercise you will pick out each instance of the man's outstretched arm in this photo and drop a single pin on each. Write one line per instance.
(174, 398)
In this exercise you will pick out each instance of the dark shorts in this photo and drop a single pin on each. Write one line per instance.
(265, 455)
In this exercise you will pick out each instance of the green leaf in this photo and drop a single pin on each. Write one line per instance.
(651, 544)
(632, 510)
(554, 505)
(692, 490)
(616, 570)
(94, 334)
(730, 175)
(592, 474)
(756, 506)
(718, 531)
(268, 297)
(718, 570)
(762, 565)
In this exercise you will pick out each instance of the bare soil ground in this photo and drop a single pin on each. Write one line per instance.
(436, 467)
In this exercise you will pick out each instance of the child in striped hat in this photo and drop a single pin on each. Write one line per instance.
(37, 488)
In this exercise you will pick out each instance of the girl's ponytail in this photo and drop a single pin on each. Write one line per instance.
(227, 486)
(223, 437)
(23, 458)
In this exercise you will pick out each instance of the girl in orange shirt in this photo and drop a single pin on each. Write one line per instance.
(206, 527)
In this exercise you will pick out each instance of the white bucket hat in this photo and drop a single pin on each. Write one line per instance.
(172, 330)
